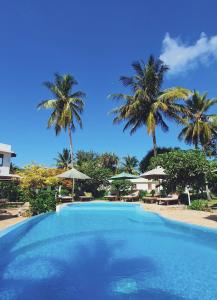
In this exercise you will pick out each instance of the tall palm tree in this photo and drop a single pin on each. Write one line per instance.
(66, 105)
(200, 127)
(63, 159)
(130, 163)
(148, 104)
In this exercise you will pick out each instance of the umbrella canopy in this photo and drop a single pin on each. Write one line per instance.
(73, 174)
(154, 173)
(124, 176)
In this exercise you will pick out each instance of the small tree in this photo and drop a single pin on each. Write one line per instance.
(121, 187)
(184, 168)
(99, 178)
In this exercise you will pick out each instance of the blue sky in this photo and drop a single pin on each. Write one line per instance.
(96, 41)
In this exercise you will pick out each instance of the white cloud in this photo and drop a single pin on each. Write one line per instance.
(182, 57)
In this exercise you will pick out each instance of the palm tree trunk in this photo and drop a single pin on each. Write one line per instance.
(71, 145)
(206, 182)
(71, 154)
(154, 143)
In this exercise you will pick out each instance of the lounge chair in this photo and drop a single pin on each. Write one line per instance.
(64, 199)
(132, 197)
(86, 197)
(111, 197)
(174, 198)
(150, 199)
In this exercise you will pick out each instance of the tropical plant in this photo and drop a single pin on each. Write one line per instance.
(199, 205)
(109, 161)
(85, 156)
(63, 159)
(121, 187)
(99, 178)
(200, 127)
(130, 164)
(145, 162)
(66, 107)
(184, 169)
(42, 202)
(148, 104)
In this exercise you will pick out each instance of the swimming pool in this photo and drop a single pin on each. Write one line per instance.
(101, 251)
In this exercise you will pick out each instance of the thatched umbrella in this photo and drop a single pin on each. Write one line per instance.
(123, 176)
(73, 174)
(157, 173)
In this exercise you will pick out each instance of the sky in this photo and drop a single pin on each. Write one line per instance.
(96, 41)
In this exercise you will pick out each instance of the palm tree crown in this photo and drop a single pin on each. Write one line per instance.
(130, 163)
(66, 106)
(63, 159)
(200, 127)
(148, 104)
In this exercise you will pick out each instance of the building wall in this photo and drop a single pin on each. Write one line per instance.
(5, 168)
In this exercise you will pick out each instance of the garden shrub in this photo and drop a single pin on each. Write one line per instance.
(122, 187)
(199, 205)
(42, 202)
(10, 190)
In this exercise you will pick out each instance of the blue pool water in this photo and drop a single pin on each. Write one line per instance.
(105, 251)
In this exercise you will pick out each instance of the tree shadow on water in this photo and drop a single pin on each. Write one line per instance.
(93, 273)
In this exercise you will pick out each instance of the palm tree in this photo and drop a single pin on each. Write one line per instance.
(66, 106)
(148, 104)
(63, 159)
(109, 161)
(130, 164)
(200, 127)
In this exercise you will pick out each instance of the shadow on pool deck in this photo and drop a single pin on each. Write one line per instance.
(93, 273)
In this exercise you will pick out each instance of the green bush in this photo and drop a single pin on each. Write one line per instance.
(143, 194)
(42, 202)
(199, 205)
(10, 190)
(121, 187)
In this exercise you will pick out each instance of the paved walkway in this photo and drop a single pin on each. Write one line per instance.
(183, 214)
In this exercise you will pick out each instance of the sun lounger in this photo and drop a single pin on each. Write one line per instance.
(111, 197)
(150, 199)
(65, 198)
(173, 199)
(132, 197)
(86, 197)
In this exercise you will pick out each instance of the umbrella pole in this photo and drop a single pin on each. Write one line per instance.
(73, 187)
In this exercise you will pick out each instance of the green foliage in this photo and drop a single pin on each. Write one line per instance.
(63, 159)
(109, 161)
(42, 202)
(148, 104)
(183, 168)
(10, 190)
(99, 178)
(85, 156)
(143, 194)
(130, 164)
(199, 205)
(121, 187)
(66, 106)
(145, 162)
(200, 127)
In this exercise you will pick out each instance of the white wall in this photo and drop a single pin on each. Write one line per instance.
(5, 150)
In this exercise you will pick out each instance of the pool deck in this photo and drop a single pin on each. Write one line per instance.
(9, 218)
(173, 212)
(183, 214)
